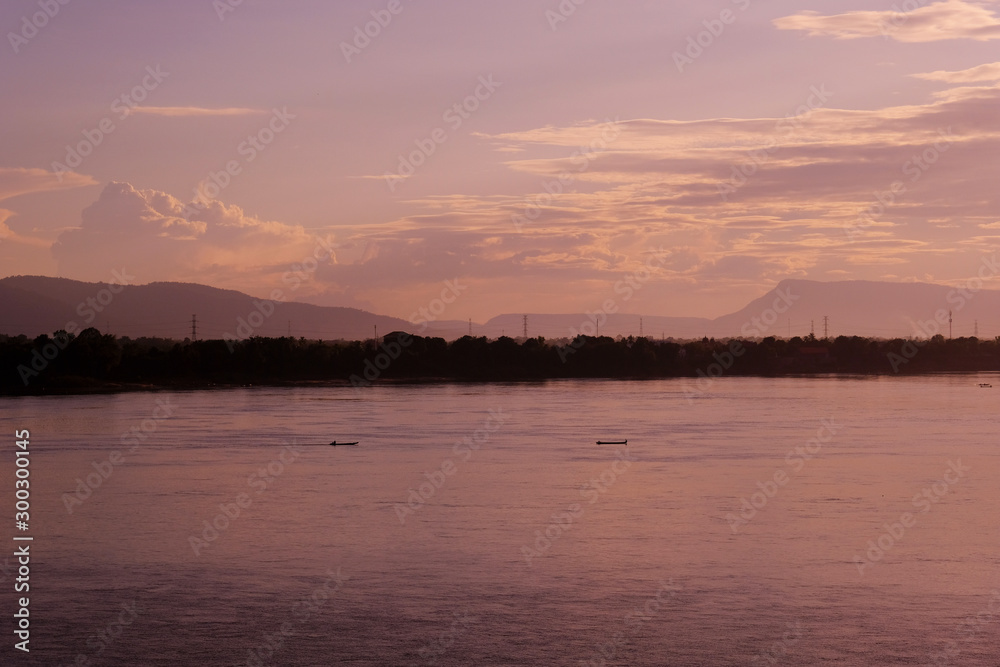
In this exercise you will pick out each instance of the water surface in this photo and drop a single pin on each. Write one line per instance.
(536, 547)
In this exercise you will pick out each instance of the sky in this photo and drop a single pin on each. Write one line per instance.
(374, 154)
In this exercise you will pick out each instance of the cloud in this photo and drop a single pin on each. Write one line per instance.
(951, 19)
(15, 182)
(8, 235)
(792, 187)
(987, 72)
(146, 231)
(197, 111)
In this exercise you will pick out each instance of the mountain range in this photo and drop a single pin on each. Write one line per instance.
(33, 305)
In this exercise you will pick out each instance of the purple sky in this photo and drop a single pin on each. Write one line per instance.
(581, 143)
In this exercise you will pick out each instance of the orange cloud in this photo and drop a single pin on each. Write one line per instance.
(950, 19)
(197, 111)
(147, 231)
(15, 182)
(987, 72)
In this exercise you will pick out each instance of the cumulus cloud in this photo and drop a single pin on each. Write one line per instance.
(147, 231)
(951, 19)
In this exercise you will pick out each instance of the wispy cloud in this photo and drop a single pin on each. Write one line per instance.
(16, 181)
(808, 178)
(198, 111)
(950, 19)
(987, 72)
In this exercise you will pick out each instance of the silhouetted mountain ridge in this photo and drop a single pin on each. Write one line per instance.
(34, 305)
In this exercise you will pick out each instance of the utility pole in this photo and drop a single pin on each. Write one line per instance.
(470, 326)
(949, 325)
(812, 328)
(640, 327)
(826, 327)
(789, 327)
(976, 334)
(289, 328)
(194, 327)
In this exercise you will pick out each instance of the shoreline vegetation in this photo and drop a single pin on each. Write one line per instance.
(93, 362)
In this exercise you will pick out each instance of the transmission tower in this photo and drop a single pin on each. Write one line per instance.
(525, 327)
(826, 327)
(194, 327)
(949, 325)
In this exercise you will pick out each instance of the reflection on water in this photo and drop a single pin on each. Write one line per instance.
(766, 521)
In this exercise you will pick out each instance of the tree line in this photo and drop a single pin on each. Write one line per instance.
(95, 361)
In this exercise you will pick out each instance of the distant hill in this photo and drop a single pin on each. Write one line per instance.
(870, 308)
(33, 305)
(857, 307)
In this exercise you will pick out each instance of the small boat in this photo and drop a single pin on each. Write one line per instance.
(985, 385)
(342, 444)
(612, 442)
